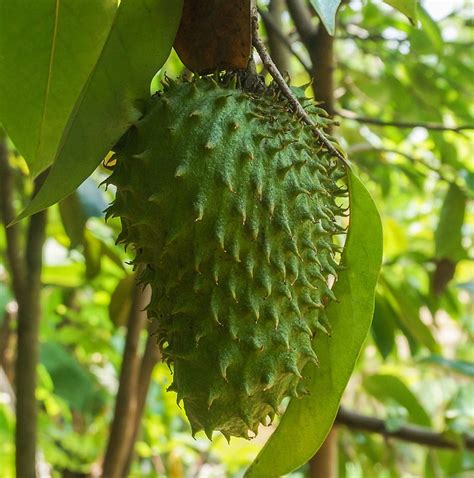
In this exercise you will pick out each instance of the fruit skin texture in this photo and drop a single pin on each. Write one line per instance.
(230, 205)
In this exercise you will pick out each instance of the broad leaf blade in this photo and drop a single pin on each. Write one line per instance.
(386, 387)
(307, 421)
(408, 7)
(138, 44)
(326, 10)
(47, 51)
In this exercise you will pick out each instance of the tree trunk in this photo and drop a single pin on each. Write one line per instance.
(151, 356)
(324, 463)
(25, 271)
(29, 313)
(122, 430)
(322, 58)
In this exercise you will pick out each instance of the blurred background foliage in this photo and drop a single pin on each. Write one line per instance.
(417, 366)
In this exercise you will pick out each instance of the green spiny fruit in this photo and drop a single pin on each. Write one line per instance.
(230, 204)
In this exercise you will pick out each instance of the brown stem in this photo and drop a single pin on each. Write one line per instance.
(151, 357)
(403, 124)
(126, 404)
(409, 433)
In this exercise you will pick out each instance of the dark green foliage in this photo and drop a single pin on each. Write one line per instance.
(230, 204)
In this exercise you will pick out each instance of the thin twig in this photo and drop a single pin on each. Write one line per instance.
(409, 433)
(403, 124)
(269, 23)
(285, 89)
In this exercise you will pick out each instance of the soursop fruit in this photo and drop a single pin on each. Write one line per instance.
(231, 204)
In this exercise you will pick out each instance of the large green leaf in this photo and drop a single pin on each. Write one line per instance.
(307, 421)
(327, 13)
(47, 51)
(408, 7)
(386, 387)
(138, 44)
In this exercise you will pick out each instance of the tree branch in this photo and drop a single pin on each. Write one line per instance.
(277, 41)
(25, 271)
(29, 315)
(150, 358)
(402, 124)
(126, 404)
(301, 16)
(285, 89)
(409, 433)
(272, 27)
(363, 148)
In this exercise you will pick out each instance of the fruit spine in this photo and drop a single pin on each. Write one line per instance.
(230, 204)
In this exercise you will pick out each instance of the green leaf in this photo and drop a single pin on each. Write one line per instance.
(92, 254)
(48, 49)
(431, 30)
(402, 299)
(408, 7)
(327, 13)
(65, 275)
(387, 388)
(72, 382)
(448, 235)
(87, 201)
(460, 366)
(73, 218)
(307, 421)
(383, 326)
(138, 44)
